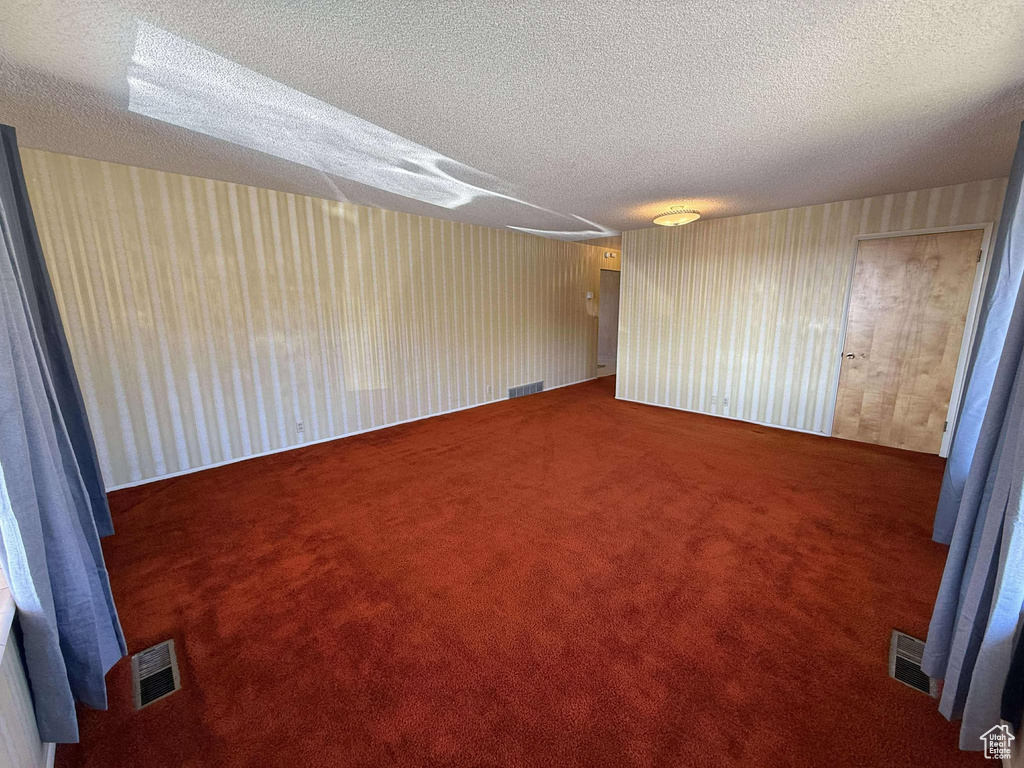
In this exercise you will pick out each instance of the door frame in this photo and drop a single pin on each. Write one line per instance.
(970, 326)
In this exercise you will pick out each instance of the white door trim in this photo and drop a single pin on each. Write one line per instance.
(970, 327)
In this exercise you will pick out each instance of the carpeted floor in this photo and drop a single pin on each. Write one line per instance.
(563, 580)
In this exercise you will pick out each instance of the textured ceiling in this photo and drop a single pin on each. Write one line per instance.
(607, 111)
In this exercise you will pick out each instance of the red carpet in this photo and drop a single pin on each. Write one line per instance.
(563, 580)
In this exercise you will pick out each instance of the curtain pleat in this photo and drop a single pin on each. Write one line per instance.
(51, 517)
(981, 596)
(1004, 281)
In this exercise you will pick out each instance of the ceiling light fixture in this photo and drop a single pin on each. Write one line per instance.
(676, 217)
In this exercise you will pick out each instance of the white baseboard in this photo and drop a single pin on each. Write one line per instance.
(723, 416)
(191, 470)
(51, 754)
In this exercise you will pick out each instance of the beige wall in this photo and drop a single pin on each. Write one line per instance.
(20, 745)
(750, 308)
(207, 319)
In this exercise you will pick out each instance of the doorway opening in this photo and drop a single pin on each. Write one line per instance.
(608, 323)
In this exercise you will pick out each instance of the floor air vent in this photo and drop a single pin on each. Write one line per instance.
(154, 674)
(905, 654)
(525, 389)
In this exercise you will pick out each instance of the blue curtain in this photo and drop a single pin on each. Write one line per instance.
(1005, 275)
(52, 505)
(978, 608)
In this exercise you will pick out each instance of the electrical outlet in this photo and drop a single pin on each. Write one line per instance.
(725, 401)
(488, 390)
(714, 399)
(299, 427)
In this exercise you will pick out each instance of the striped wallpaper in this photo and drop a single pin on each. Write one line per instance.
(20, 744)
(742, 316)
(208, 320)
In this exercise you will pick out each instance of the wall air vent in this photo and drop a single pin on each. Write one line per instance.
(526, 389)
(905, 654)
(154, 674)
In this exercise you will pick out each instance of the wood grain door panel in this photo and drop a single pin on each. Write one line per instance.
(908, 309)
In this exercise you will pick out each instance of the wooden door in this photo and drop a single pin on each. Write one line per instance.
(908, 308)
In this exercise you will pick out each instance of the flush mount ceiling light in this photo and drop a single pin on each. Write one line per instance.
(676, 217)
